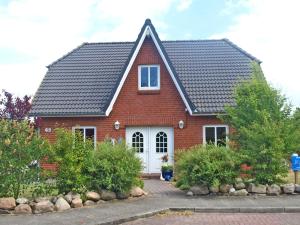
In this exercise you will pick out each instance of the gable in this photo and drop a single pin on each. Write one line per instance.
(147, 106)
(149, 31)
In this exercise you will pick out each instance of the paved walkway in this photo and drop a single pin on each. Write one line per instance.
(220, 219)
(162, 196)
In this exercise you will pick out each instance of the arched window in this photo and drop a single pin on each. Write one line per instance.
(138, 142)
(161, 142)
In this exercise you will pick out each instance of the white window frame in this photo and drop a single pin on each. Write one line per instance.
(215, 126)
(84, 128)
(140, 79)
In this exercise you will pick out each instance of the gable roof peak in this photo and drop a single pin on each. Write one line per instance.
(148, 21)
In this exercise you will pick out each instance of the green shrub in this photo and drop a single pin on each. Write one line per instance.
(19, 147)
(115, 168)
(265, 131)
(72, 155)
(206, 165)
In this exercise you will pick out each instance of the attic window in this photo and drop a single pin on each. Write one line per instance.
(149, 77)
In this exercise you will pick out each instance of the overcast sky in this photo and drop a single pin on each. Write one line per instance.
(35, 33)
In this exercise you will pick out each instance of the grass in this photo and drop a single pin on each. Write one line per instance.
(291, 177)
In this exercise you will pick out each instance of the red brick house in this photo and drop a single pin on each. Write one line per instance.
(157, 95)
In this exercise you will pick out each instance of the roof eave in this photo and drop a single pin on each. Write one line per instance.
(66, 115)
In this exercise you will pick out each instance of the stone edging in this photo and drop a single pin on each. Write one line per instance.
(207, 210)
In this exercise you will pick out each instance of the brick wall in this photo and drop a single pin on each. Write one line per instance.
(142, 108)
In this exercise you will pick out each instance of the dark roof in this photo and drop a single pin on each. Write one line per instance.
(84, 81)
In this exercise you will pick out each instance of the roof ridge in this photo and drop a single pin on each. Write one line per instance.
(64, 56)
(192, 40)
(241, 50)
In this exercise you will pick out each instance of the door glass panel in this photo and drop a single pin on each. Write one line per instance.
(210, 135)
(161, 142)
(138, 142)
(221, 136)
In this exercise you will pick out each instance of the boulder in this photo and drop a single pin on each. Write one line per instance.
(108, 195)
(239, 186)
(94, 196)
(76, 203)
(7, 203)
(288, 188)
(200, 189)
(75, 196)
(54, 199)
(214, 189)
(121, 195)
(242, 192)
(136, 192)
(43, 206)
(224, 188)
(32, 204)
(101, 202)
(257, 188)
(189, 193)
(61, 204)
(23, 209)
(273, 189)
(22, 201)
(238, 180)
(89, 203)
(231, 190)
(297, 188)
(42, 199)
(68, 198)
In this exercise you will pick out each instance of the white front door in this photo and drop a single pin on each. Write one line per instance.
(151, 144)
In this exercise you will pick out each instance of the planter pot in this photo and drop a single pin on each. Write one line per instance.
(167, 175)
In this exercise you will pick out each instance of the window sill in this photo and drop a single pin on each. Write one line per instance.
(148, 92)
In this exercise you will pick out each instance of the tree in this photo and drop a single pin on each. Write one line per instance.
(14, 108)
(295, 126)
(20, 149)
(261, 119)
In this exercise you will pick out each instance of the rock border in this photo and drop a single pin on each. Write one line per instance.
(22, 206)
(241, 189)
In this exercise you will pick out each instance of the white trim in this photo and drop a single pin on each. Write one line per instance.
(84, 128)
(171, 73)
(149, 87)
(215, 126)
(147, 29)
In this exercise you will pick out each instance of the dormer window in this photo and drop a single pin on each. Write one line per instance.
(149, 77)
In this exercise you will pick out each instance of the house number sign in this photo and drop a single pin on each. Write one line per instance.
(48, 130)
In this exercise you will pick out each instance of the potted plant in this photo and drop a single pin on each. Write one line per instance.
(166, 168)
